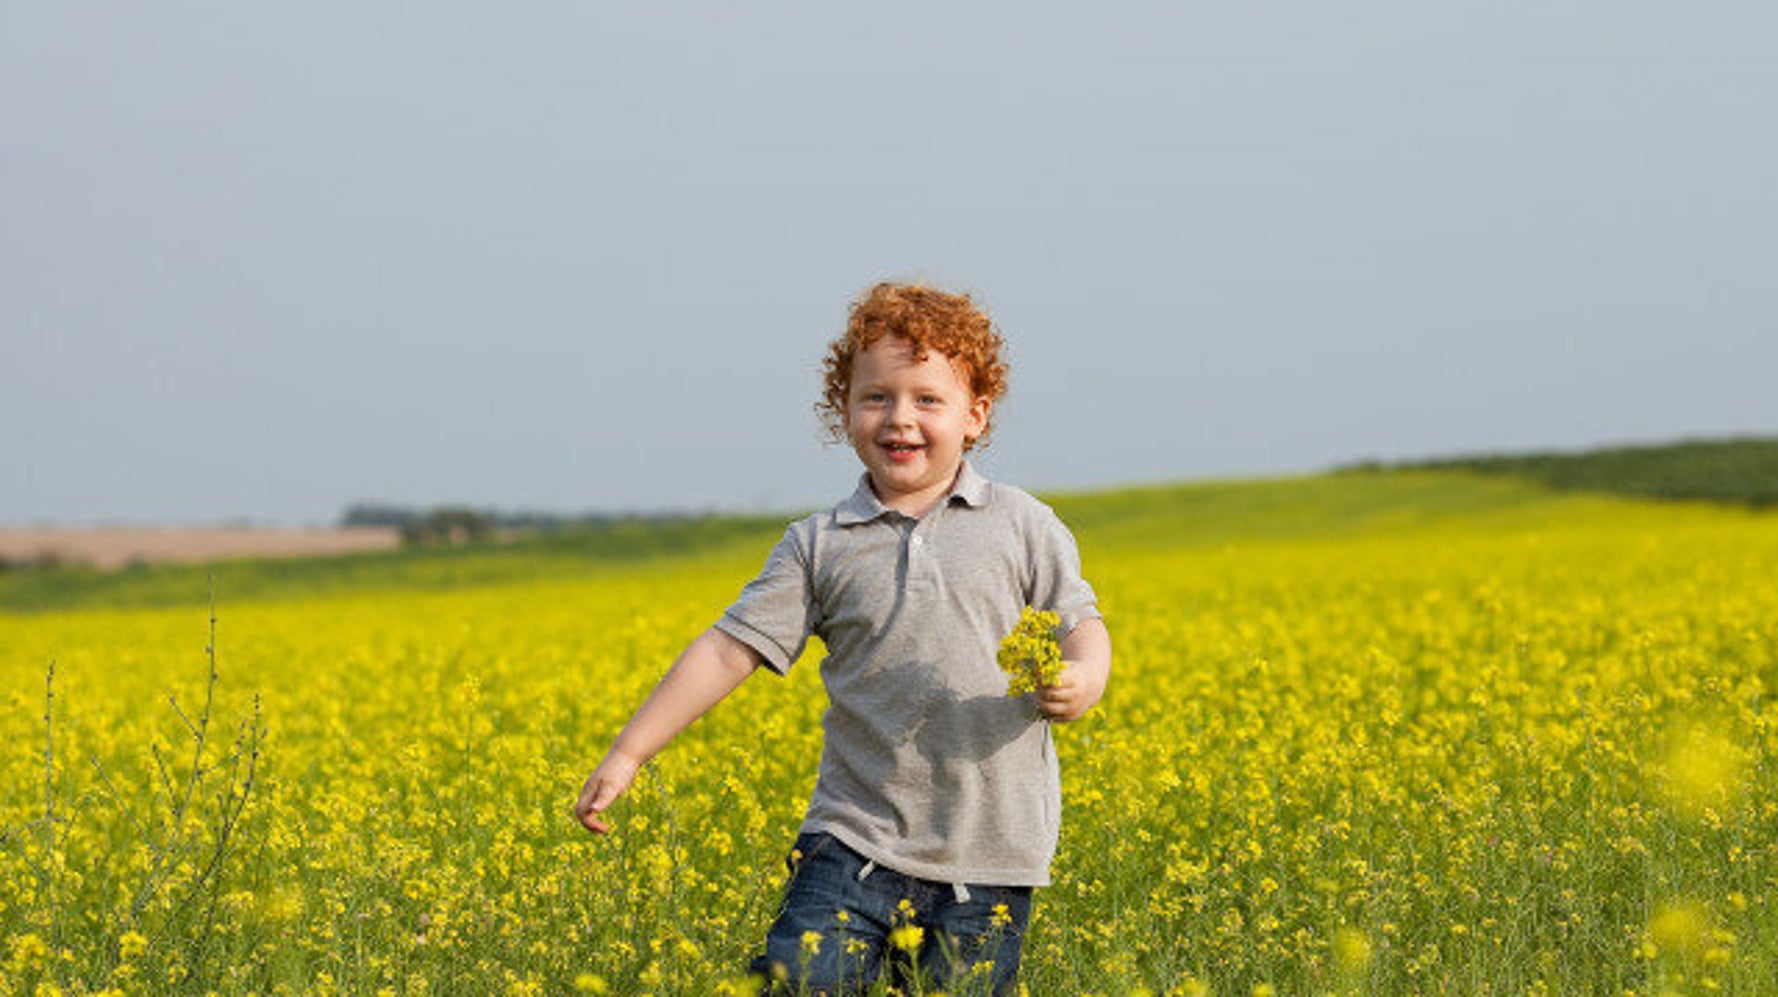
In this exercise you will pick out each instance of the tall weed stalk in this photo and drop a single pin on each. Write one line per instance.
(185, 817)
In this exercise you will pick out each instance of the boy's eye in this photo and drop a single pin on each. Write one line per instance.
(929, 399)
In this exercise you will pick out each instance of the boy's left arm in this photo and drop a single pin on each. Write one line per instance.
(1087, 651)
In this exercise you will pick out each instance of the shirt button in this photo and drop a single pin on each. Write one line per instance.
(919, 541)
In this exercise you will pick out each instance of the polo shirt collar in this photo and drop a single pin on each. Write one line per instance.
(971, 487)
(862, 505)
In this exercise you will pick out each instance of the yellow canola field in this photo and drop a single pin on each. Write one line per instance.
(1489, 756)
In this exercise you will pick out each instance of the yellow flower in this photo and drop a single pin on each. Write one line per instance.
(1351, 950)
(907, 937)
(1704, 769)
(1030, 655)
(746, 986)
(812, 942)
(1682, 928)
(28, 952)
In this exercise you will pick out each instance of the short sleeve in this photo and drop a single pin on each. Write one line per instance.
(775, 613)
(1055, 578)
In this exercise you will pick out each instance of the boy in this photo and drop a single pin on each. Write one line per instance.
(938, 803)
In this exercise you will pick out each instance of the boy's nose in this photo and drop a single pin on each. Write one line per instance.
(901, 413)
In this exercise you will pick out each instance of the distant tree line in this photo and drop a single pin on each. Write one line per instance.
(1740, 470)
(442, 524)
(458, 524)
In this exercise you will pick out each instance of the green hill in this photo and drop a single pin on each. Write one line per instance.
(1742, 471)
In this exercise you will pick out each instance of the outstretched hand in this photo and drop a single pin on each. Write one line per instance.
(608, 782)
(709, 669)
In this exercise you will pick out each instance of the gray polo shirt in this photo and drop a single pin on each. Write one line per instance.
(927, 766)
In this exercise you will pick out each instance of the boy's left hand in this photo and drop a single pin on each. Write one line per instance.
(1086, 667)
(1071, 697)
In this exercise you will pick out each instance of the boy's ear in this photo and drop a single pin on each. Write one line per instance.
(977, 422)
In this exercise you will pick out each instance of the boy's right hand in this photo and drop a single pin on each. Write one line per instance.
(711, 668)
(608, 782)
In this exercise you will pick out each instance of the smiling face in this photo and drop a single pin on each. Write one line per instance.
(909, 421)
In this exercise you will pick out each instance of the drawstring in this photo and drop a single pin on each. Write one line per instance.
(958, 890)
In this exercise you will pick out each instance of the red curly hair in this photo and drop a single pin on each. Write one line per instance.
(930, 320)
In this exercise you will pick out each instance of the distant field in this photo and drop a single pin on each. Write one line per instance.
(108, 548)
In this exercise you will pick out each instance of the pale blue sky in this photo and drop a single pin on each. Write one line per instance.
(258, 262)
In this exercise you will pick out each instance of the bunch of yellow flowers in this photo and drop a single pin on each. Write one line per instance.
(1030, 656)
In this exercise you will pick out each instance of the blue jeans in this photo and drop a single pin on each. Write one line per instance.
(835, 933)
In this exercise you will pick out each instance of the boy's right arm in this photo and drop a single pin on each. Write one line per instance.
(714, 665)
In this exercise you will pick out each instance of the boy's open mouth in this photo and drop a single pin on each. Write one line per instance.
(902, 451)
